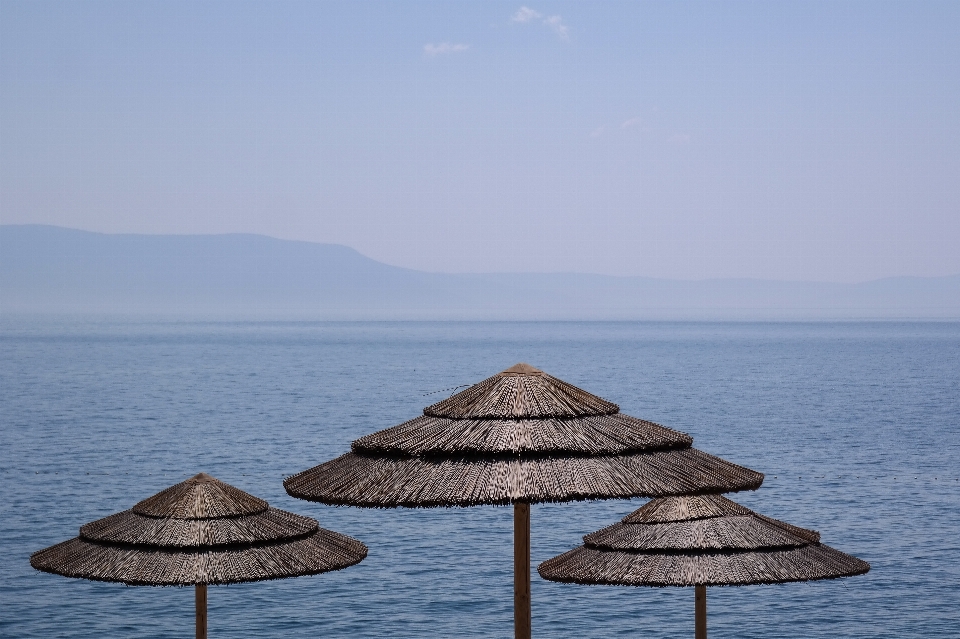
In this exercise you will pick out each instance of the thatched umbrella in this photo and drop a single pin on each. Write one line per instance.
(519, 437)
(699, 541)
(198, 532)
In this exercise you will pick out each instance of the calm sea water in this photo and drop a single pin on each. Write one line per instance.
(855, 425)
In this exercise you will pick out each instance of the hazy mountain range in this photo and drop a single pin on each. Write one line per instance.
(45, 269)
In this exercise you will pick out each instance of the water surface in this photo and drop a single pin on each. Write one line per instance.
(854, 424)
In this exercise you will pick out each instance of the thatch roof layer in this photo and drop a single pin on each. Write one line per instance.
(199, 497)
(321, 551)
(719, 533)
(519, 392)
(212, 533)
(690, 508)
(685, 508)
(128, 527)
(385, 482)
(589, 435)
(584, 565)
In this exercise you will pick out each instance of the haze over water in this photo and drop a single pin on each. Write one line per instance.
(854, 424)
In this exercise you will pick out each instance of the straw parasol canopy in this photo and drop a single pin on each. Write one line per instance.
(519, 437)
(198, 532)
(699, 541)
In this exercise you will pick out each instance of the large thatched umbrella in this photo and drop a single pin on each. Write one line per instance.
(198, 532)
(699, 541)
(519, 437)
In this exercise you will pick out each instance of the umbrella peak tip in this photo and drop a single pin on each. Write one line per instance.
(522, 369)
(200, 497)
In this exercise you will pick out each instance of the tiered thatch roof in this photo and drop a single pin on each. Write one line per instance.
(519, 436)
(200, 531)
(699, 541)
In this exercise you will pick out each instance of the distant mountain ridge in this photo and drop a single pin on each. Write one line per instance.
(46, 269)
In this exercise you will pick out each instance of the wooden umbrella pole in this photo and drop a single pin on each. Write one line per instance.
(701, 622)
(521, 570)
(201, 600)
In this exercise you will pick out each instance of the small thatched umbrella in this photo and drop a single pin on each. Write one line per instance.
(198, 532)
(519, 437)
(699, 541)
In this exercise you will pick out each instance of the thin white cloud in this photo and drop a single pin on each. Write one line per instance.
(556, 23)
(444, 47)
(525, 14)
(629, 124)
(597, 132)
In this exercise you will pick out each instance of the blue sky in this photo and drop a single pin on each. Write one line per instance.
(779, 140)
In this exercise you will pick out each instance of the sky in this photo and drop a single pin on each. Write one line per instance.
(687, 140)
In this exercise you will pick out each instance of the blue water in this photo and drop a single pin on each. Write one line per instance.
(855, 426)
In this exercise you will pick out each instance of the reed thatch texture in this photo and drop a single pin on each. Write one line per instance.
(128, 527)
(591, 566)
(139, 565)
(201, 496)
(200, 531)
(521, 392)
(384, 482)
(615, 434)
(699, 541)
(521, 436)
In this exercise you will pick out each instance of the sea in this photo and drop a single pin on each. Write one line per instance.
(855, 425)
